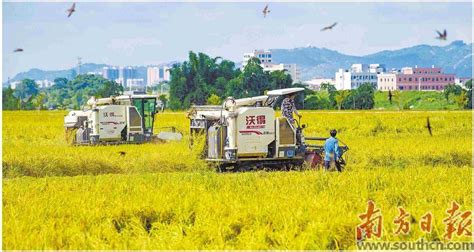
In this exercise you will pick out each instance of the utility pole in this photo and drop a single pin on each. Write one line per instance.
(79, 63)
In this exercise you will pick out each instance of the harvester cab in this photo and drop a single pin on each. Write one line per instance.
(245, 134)
(114, 120)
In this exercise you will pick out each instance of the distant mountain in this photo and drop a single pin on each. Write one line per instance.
(38, 74)
(320, 62)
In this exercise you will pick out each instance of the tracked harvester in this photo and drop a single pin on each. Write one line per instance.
(245, 134)
(116, 120)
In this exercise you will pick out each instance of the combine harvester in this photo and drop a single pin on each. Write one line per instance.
(116, 120)
(244, 134)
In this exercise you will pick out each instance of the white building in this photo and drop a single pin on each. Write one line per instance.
(356, 76)
(265, 56)
(315, 84)
(126, 73)
(13, 84)
(343, 79)
(44, 83)
(166, 73)
(294, 72)
(407, 70)
(363, 68)
(461, 81)
(386, 81)
(110, 73)
(135, 84)
(359, 68)
(376, 68)
(291, 69)
(157, 74)
(95, 73)
(152, 75)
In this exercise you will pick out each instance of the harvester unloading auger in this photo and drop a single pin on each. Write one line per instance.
(117, 120)
(244, 134)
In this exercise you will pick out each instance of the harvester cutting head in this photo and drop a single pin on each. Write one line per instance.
(116, 120)
(245, 134)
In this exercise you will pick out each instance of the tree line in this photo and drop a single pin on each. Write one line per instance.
(204, 80)
(64, 94)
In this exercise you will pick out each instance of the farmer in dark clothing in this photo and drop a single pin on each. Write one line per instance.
(288, 107)
(331, 149)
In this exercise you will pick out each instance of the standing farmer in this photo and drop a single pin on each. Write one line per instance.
(288, 107)
(331, 149)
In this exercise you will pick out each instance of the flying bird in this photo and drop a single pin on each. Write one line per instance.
(18, 50)
(442, 36)
(265, 11)
(122, 153)
(71, 10)
(428, 126)
(329, 27)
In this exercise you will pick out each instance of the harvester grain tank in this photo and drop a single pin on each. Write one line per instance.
(245, 134)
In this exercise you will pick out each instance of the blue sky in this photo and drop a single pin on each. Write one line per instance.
(151, 33)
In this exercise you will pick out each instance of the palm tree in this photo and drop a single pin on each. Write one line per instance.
(340, 97)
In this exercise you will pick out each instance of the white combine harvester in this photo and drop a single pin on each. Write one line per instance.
(245, 134)
(116, 120)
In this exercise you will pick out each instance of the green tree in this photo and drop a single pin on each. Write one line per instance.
(311, 102)
(220, 86)
(39, 100)
(56, 94)
(462, 99)
(234, 85)
(332, 91)
(178, 88)
(197, 78)
(450, 91)
(164, 100)
(324, 99)
(340, 97)
(86, 85)
(468, 85)
(9, 101)
(280, 79)
(72, 74)
(254, 80)
(300, 99)
(25, 91)
(60, 83)
(214, 100)
(361, 98)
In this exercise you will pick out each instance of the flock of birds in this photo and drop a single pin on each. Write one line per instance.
(265, 11)
(441, 36)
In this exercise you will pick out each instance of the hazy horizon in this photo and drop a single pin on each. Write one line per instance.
(152, 33)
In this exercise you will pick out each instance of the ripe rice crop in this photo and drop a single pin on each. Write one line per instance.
(163, 196)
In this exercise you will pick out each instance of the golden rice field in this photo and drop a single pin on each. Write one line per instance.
(162, 196)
